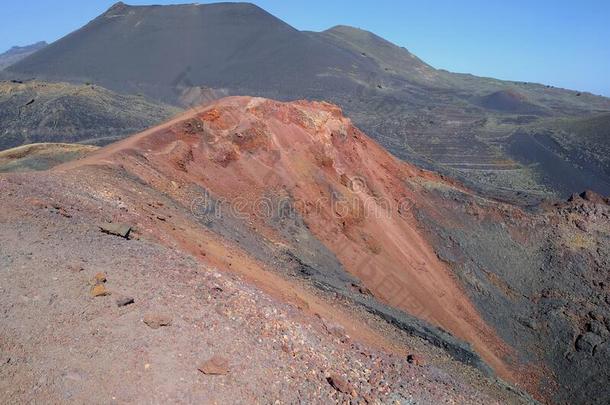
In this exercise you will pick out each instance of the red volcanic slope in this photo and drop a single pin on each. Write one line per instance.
(353, 195)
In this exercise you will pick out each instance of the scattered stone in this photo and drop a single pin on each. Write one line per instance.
(365, 291)
(362, 289)
(337, 331)
(593, 197)
(124, 301)
(99, 290)
(580, 224)
(216, 292)
(369, 398)
(587, 342)
(338, 383)
(602, 350)
(531, 323)
(99, 278)
(598, 328)
(286, 349)
(63, 213)
(116, 229)
(415, 359)
(217, 365)
(155, 321)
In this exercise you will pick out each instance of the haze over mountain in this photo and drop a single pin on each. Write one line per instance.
(472, 128)
(16, 53)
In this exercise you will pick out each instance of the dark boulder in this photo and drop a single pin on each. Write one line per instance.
(587, 342)
(116, 229)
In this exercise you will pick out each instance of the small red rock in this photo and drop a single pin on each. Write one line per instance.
(217, 365)
(99, 278)
(37, 203)
(339, 383)
(99, 291)
(155, 321)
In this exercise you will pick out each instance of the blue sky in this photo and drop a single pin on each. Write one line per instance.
(560, 42)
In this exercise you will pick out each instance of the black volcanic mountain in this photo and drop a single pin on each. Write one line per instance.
(153, 48)
(469, 127)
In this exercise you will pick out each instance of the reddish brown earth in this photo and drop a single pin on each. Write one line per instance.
(220, 275)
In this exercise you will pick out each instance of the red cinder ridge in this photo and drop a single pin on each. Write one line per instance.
(354, 196)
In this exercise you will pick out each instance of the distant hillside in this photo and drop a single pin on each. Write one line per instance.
(459, 124)
(16, 53)
(35, 111)
(41, 156)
